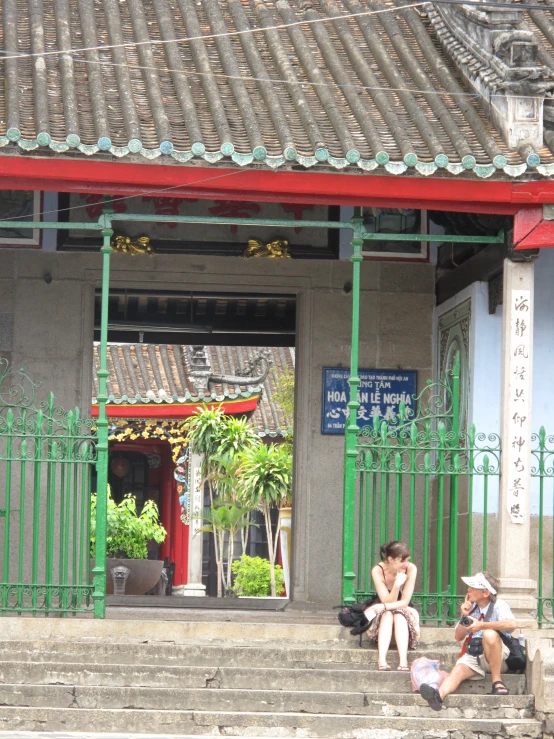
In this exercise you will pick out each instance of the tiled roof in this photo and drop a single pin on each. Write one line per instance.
(210, 98)
(149, 373)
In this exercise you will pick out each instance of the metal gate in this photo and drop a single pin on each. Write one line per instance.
(47, 456)
(422, 479)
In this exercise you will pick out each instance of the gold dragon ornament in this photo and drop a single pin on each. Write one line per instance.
(274, 250)
(127, 245)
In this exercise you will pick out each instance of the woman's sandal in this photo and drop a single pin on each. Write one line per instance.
(498, 688)
(402, 668)
(384, 668)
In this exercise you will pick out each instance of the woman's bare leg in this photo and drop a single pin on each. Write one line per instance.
(385, 635)
(402, 637)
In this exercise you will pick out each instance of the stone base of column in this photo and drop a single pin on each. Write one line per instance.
(519, 594)
(193, 588)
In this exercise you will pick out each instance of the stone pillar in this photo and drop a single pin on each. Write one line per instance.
(515, 483)
(194, 580)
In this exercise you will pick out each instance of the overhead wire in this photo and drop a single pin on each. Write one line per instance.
(9, 55)
(281, 26)
(208, 36)
(275, 80)
(158, 191)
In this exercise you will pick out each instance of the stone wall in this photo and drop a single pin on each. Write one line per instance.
(47, 325)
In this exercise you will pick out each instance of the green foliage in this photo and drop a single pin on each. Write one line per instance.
(223, 518)
(253, 576)
(283, 396)
(127, 532)
(266, 481)
(204, 433)
(236, 435)
(221, 440)
(265, 476)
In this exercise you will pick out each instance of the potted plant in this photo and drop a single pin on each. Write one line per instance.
(127, 537)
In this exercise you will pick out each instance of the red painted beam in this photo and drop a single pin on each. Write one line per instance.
(124, 178)
(531, 231)
(526, 221)
(174, 410)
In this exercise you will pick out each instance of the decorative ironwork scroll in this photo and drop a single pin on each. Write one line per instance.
(47, 456)
(422, 479)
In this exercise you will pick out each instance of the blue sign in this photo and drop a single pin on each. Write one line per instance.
(380, 392)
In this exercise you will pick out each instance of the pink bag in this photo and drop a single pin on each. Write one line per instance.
(424, 670)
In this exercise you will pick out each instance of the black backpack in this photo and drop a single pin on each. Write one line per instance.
(352, 616)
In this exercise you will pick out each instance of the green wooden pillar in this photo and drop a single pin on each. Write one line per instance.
(99, 571)
(352, 429)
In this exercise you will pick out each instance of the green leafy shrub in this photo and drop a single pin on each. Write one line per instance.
(127, 532)
(253, 576)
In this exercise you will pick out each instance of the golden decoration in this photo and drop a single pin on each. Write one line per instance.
(274, 250)
(127, 245)
(175, 433)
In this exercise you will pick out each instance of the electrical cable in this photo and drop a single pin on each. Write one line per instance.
(278, 27)
(272, 80)
(195, 73)
(262, 29)
(126, 197)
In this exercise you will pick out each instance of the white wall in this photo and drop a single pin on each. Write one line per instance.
(485, 364)
(486, 357)
(543, 356)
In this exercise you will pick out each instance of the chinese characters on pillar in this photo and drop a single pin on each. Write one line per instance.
(197, 491)
(519, 395)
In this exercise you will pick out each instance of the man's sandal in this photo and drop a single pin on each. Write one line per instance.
(432, 696)
(384, 668)
(498, 688)
(402, 668)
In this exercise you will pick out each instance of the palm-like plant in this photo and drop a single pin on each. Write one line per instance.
(236, 435)
(222, 520)
(265, 475)
(204, 435)
(220, 439)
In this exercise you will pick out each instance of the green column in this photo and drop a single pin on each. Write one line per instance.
(99, 571)
(352, 429)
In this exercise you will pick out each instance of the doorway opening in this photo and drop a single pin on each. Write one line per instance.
(169, 355)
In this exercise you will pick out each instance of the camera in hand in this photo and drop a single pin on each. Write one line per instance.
(466, 621)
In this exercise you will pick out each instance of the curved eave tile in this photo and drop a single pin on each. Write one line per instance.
(410, 166)
(190, 400)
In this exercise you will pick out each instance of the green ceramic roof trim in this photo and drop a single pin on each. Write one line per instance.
(352, 159)
(186, 399)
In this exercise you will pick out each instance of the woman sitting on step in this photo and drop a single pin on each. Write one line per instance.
(390, 613)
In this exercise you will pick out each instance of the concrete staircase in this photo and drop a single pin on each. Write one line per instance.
(278, 677)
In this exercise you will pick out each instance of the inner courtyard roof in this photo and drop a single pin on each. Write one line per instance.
(163, 374)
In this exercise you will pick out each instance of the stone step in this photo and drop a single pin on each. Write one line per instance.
(282, 701)
(224, 630)
(243, 678)
(96, 735)
(259, 724)
(160, 653)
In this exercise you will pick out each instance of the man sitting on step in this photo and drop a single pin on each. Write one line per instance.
(484, 616)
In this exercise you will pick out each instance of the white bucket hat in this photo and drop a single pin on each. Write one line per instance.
(480, 582)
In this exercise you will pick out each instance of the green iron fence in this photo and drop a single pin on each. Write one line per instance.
(46, 460)
(423, 480)
(542, 526)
